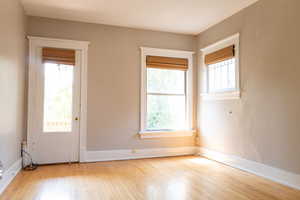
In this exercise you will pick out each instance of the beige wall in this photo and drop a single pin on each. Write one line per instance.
(12, 80)
(114, 78)
(264, 126)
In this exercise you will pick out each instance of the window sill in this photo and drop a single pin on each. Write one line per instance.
(221, 96)
(164, 134)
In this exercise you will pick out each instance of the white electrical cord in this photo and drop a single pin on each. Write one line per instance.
(31, 165)
(1, 170)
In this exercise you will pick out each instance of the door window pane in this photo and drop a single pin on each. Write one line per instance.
(166, 112)
(58, 93)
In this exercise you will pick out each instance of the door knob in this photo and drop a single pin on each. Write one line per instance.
(76, 118)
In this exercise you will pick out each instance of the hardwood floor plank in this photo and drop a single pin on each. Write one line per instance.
(174, 178)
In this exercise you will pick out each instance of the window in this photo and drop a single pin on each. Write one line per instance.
(58, 92)
(58, 89)
(221, 70)
(166, 93)
(221, 76)
(166, 99)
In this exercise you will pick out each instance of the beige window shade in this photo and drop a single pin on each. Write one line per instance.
(167, 63)
(59, 56)
(220, 55)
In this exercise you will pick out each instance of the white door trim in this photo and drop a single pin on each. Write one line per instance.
(34, 43)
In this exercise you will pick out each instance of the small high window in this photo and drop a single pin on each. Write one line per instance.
(221, 76)
(221, 70)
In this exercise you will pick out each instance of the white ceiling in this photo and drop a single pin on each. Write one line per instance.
(178, 16)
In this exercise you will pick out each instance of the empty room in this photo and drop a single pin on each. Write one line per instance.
(149, 100)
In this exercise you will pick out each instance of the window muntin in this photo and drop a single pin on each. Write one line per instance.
(221, 76)
(166, 99)
(58, 97)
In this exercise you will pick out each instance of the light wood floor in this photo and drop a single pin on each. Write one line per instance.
(176, 178)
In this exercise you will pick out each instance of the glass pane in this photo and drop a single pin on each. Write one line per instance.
(165, 112)
(211, 78)
(231, 78)
(58, 93)
(222, 75)
(218, 77)
(165, 81)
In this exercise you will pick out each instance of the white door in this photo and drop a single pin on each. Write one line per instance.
(57, 107)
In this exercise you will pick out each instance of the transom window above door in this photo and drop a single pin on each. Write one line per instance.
(165, 93)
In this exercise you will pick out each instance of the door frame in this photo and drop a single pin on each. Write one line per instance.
(34, 44)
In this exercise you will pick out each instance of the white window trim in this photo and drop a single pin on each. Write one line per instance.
(222, 95)
(161, 134)
(146, 51)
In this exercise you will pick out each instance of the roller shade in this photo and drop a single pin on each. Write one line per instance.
(59, 56)
(167, 63)
(220, 55)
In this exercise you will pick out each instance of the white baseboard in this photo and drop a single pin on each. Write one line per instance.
(272, 173)
(10, 174)
(126, 154)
